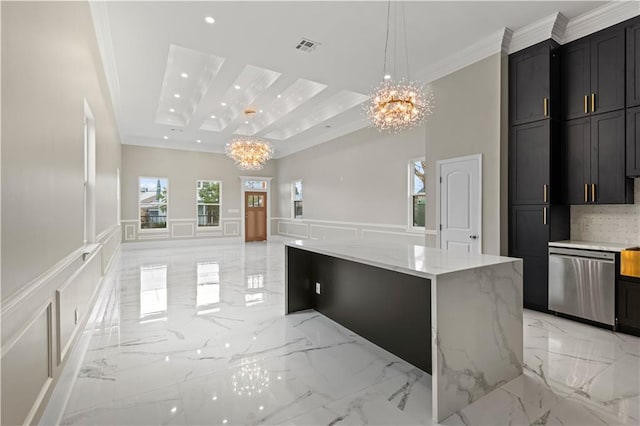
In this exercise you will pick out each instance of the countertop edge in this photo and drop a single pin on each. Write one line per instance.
(400, 269)
(592, 245)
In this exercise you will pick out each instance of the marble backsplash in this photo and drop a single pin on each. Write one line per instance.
(614, 223)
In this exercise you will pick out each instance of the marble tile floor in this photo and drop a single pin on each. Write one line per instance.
(197, 336)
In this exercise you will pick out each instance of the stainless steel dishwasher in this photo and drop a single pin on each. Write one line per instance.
(582, 284)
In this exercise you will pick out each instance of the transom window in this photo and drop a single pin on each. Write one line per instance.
(152, 200)
(255, 184)
(417, 192)
(296, 195)
(208, 200)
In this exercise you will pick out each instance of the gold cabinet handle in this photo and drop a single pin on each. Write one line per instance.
(593, 192)
(586, 104)
(544, 215)
(593, 102)
(545, 104)
(544, 192)
(586, 192)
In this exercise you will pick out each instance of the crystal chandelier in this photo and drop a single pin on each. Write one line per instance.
(398, 105)
(249, 153)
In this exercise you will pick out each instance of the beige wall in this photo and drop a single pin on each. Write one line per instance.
(50, 65)
(362, 177)
(183, 169)
(466, 121)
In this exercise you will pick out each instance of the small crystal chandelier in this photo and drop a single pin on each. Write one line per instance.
(249, 153)
(395, 106)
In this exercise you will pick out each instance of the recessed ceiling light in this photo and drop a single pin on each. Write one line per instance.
(237, 87)
(260, 110)
(213, 116)
(199, 141)
(387, 76)
(172, 110)
(165, 137)
(246, 122)
(184, 75)
(223, 103)
(209, 20)
(279, 96)
(176, 95)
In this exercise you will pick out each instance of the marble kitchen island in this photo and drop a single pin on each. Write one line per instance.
(456, 316)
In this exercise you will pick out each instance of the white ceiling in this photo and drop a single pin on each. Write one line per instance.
(251, 45)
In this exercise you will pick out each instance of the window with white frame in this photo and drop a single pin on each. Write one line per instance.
(152, 200)
(296, 196)
(417, 193)
(208, 201)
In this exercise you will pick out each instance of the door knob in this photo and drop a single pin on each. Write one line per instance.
(473, 237)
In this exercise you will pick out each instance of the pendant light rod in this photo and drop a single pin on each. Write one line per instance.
(386, 40)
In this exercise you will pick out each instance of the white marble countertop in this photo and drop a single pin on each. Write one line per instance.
(410, 259)
(591, 245)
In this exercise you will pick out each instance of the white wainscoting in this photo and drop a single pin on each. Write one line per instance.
(336, 230)
(39, 325)
(180, 229)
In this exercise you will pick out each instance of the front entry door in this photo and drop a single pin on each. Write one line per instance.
(255, 216)
(460, 195)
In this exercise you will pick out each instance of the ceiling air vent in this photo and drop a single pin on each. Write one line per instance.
(306, 45)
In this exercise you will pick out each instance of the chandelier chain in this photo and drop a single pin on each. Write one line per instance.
(386, 40)
(406, 45)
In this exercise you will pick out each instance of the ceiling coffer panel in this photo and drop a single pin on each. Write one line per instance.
(335, 105)
(187, 78)
(251, 83)
(291, 98)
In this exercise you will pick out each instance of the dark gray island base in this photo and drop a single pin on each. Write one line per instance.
(388, 308)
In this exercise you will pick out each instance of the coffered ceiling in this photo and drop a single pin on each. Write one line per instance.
(178, 81)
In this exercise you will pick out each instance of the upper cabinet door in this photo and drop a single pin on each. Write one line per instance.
(529, 163)
(607, 71)
(633, 65)
(576, 79)
(608, 159)
(530, 80)
(577, 139)
(633, 141)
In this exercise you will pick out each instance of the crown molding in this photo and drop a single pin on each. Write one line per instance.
(533, 33)
(559, 28)
(475, 52)
(600, 18)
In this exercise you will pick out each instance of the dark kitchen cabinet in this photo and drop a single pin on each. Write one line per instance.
(633, 65)
(529, 153)
(531, 80)
(535, 166)
(628, 306)
(595, 160)
(593, 74)
(531, 229)
(576, 79)
(535, 278)
(577, 136)
(610, 184)
(633, 142)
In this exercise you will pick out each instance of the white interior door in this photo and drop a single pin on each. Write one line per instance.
(461, 204)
